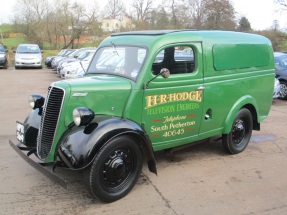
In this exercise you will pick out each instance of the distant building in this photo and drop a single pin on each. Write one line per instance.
(115, 25)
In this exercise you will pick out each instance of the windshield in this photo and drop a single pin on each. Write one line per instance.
(121, 60)
(2, 49)
(28, 49)
(281, 62)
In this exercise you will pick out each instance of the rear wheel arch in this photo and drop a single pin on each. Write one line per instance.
(247, 102)
(251, 108)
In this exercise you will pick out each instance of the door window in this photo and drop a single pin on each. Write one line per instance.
(177, 59)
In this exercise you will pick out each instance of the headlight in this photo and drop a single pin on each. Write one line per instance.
(36, 101)
(74, 71)
(82, 116)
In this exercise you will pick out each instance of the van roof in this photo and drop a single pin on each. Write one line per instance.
(211, 36)
(149, 32)
(154, 39)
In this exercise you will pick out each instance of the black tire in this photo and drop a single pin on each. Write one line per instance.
(115, 169)
(17, 67)
(238, 138)
(283, 90)
(5, 66)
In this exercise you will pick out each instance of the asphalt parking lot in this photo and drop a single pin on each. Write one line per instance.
(201, 179)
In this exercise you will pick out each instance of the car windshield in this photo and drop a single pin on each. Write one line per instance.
(2, 49)
(28, 49)
(89, 57)
(86, 54)
(281, 62)
(123, 61)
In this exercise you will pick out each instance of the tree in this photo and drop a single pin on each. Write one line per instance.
(281, 3)
(141, 12)
(244, 25)
(177, 13)
(196, 12)
(159, 19)
(28, 19)
(114, 9)
(219, 14)
(53, 21)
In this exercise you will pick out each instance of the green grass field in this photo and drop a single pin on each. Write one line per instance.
(12, 43)
(4, 28)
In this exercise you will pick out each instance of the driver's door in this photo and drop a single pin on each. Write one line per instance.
(172, 111)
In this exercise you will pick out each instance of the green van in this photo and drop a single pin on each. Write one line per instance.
(146, 91)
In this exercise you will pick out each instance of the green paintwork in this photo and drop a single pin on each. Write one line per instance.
(227, 56)
(172, 111)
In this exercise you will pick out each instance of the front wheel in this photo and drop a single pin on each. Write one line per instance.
(115, 169)
(6, 65)
(238, 138)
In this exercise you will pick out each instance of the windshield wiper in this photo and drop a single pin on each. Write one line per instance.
(115, 48)
(82, 67)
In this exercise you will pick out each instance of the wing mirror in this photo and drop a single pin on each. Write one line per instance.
(164, 72)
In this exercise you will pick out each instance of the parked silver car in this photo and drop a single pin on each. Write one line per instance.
(3, 57)
(28, 55)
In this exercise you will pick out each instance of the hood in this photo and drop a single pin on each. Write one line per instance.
(281, 73)
(28, 56)
(101, 93)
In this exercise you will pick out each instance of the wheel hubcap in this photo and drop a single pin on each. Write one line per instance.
(238, 131)
(116, 168)
(283, 90)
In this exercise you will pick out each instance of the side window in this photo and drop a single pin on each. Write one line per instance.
(177, 59)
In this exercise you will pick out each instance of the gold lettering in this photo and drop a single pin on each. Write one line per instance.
(173, 97)
(198, 95)
(179, 96)
(162, 98)
(151, 101)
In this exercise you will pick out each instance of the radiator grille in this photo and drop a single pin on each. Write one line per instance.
(49, 121)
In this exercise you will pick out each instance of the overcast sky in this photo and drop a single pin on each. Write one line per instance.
(260, 13)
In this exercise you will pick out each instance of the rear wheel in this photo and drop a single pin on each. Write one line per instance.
(115, 169)
(238, 138)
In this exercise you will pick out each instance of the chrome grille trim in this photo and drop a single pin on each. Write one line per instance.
(49, 121)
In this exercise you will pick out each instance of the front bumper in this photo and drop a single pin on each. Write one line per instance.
(28, 64)
(3, 62)
(39, 166)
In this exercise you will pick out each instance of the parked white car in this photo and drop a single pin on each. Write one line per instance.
(73, 68)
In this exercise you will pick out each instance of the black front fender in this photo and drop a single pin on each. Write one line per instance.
(79, 147)
(31, 126)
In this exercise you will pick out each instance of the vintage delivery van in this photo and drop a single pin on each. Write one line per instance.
(144, 92)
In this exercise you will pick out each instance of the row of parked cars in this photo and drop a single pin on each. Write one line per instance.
(71, 63)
